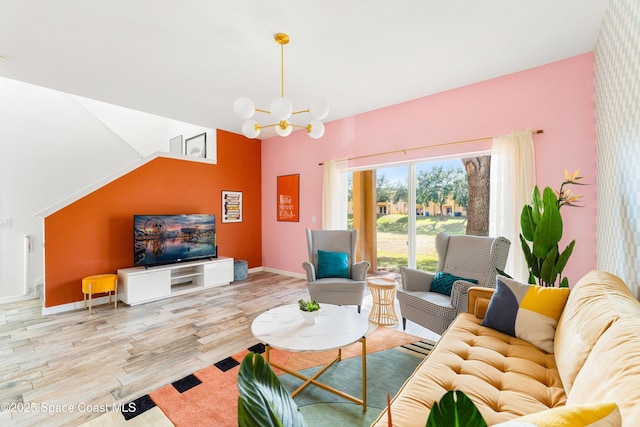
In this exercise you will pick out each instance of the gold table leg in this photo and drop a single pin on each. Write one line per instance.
(312, 379)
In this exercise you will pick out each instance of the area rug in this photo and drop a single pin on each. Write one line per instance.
(210, 396)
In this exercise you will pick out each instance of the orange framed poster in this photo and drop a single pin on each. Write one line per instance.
(288, 189)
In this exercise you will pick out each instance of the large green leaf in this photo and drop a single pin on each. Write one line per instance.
(527, 224)
(536, 203)
(263, 401)
(549, 231)
(548, 272)
(540, 251)
(564, 257)
(455, 410)
(549, 198)
(528, 256)
(532, 262)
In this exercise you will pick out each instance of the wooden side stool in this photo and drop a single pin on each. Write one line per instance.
(100, 283)
(383, 292)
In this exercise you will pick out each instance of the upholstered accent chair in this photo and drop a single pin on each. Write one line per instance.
(333, 275)
(459, 257)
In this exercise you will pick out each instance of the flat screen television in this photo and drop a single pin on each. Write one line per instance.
(166, 239)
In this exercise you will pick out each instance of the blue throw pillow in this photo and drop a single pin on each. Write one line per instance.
(443, 282)
(333, 264)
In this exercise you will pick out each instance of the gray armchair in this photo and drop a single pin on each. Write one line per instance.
(470, 257)
(348, 290)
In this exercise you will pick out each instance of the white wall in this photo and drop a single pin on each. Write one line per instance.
(53, 146)
(148, 133)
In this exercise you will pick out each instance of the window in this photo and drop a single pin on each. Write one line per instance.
(438, 193)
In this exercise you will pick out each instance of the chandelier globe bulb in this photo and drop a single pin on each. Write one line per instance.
(250, 129)
(281, 109)
(284, 128)
(315, 129)
(244, 108)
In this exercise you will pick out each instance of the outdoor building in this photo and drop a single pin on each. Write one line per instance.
(450, 208)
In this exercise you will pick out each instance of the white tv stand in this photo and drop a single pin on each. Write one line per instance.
(137, 285)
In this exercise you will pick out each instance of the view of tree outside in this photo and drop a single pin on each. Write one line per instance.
(439, 185)
(442, 203)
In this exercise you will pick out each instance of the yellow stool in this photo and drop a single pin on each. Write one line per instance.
(383, 292)
(98, 284)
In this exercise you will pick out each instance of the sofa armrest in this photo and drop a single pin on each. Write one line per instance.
(416, 280)
(310, 269)
(359, 270)
(479, 300)
(459, 293)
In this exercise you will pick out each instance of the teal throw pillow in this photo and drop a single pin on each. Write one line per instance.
(333, 264)
(443, 282)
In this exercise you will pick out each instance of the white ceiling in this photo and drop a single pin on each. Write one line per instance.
(190, 59)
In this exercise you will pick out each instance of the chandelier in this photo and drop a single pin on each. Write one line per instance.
(281, 110)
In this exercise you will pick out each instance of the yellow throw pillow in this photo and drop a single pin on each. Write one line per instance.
(591, 415)
(529, 312)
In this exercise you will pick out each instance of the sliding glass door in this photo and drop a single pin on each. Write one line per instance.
(399, 210)
(392, 217)
(441, 206)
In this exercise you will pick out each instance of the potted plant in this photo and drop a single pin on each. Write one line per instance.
(541, 225)
(309, 310)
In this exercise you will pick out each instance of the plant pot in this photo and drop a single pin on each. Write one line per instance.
(309, 317)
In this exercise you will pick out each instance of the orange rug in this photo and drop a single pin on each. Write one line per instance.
(210, 396)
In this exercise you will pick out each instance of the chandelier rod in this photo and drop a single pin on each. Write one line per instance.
(282, 39)
(282, 67)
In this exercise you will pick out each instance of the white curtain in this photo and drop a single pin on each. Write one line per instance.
(513, 177)
(334, 195)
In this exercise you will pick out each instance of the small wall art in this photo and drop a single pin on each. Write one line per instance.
(176, 145)
(288, 192)
(196, 146)
(232, 206)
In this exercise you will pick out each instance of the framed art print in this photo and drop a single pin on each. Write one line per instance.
(176, 145)
(232, 206)
(288, 192)
(196, 146)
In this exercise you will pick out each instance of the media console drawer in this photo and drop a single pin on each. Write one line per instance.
(138, 285)
(218, 273)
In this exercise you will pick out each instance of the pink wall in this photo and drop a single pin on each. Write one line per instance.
(557, 97)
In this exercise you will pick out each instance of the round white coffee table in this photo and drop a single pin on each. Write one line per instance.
(336, 327)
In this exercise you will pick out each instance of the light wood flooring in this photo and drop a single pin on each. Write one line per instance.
(50, 364)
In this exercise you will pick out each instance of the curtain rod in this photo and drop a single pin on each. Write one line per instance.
(423, 147)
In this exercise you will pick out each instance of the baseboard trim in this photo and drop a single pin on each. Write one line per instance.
(286, 273)
(18, 298)
(78, 305)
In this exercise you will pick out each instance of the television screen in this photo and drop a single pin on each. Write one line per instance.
(164, 239)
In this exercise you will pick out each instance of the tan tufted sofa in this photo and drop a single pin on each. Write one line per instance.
(596, 359)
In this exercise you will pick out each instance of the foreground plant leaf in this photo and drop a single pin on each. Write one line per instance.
(455, 410)
(263, 401)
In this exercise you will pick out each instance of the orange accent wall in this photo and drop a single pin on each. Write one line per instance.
(95, 234)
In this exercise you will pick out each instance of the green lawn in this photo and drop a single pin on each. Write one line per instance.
(429, 225)
(393, 261)
(392, 239)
